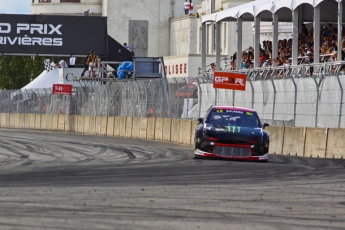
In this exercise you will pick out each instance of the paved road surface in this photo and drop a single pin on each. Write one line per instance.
(53, 180)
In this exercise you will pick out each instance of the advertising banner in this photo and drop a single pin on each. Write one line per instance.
(52, 34)
(226, 80)
(63, 89)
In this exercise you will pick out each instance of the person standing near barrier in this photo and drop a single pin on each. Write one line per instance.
(92, 62)
(186, 7)
(86, 66)
(191, 7)
(62, 64)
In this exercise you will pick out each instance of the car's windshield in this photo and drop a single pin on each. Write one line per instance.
(223, 117)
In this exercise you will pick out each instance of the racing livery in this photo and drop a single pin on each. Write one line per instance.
(231, 132)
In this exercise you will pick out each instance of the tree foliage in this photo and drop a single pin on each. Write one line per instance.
(18, 71)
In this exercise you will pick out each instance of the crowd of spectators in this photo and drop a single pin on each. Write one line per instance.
(328, 49)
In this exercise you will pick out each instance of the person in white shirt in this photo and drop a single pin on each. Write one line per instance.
(213, 68)
(186, 7)
(62, 64)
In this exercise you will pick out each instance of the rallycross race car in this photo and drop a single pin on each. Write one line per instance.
(230, 132)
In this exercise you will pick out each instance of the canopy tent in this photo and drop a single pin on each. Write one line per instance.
(44, 80)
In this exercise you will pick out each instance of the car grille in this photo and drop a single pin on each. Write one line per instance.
(227, 151)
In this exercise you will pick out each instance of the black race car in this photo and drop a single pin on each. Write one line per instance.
(231, 132)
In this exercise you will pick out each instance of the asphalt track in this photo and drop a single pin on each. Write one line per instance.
(52, 180)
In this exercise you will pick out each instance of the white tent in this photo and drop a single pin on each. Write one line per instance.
(44, 80)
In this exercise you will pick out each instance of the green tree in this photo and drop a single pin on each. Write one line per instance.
(18, 71)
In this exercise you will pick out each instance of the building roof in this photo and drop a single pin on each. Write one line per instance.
(284, 8)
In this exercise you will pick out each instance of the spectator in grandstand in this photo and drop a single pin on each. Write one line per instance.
(233, 61)
(309, 59)
(335, 48)
(325, 31)
(267, 63)
(301, 53)
(248, 64)
(287, 61)
(213, 68)
(304, 30)
(334, 57)
(262, 58)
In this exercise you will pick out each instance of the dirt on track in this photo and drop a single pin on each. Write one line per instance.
(51, 180)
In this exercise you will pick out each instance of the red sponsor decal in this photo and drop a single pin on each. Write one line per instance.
(234, 81)
(64, 89)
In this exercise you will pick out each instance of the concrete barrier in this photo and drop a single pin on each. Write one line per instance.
(335, 143)
(21, 123)
(143, 127)
(276, 139)
(175, 130)
(91, 129)
(80, 123)
(315, 142)
(136, 127)
(61, 122)
(151, 123)
(86, 129)
(50, 124)
(192, 136)
(185, 132)
(166, 136)
(55, 121)
(129, 126)
(32, 119)
(110, 126)
(5, 120)
(98, 125)
(26, 121)
(117, 126)
(103, 126)
(123, 126)
(70, 123)
(294, 138)
(14, 120)
(38, 119)
(44, 121)
(159, 128)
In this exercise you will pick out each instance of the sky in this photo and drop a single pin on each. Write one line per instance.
(15, 6)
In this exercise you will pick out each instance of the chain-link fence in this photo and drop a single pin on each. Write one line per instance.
(308, 96)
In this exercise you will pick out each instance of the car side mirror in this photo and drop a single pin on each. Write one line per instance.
(201, 121)
(265, 124)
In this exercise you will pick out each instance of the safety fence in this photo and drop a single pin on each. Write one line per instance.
(304, 96)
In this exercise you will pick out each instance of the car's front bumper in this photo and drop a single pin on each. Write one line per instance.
(245, 157)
